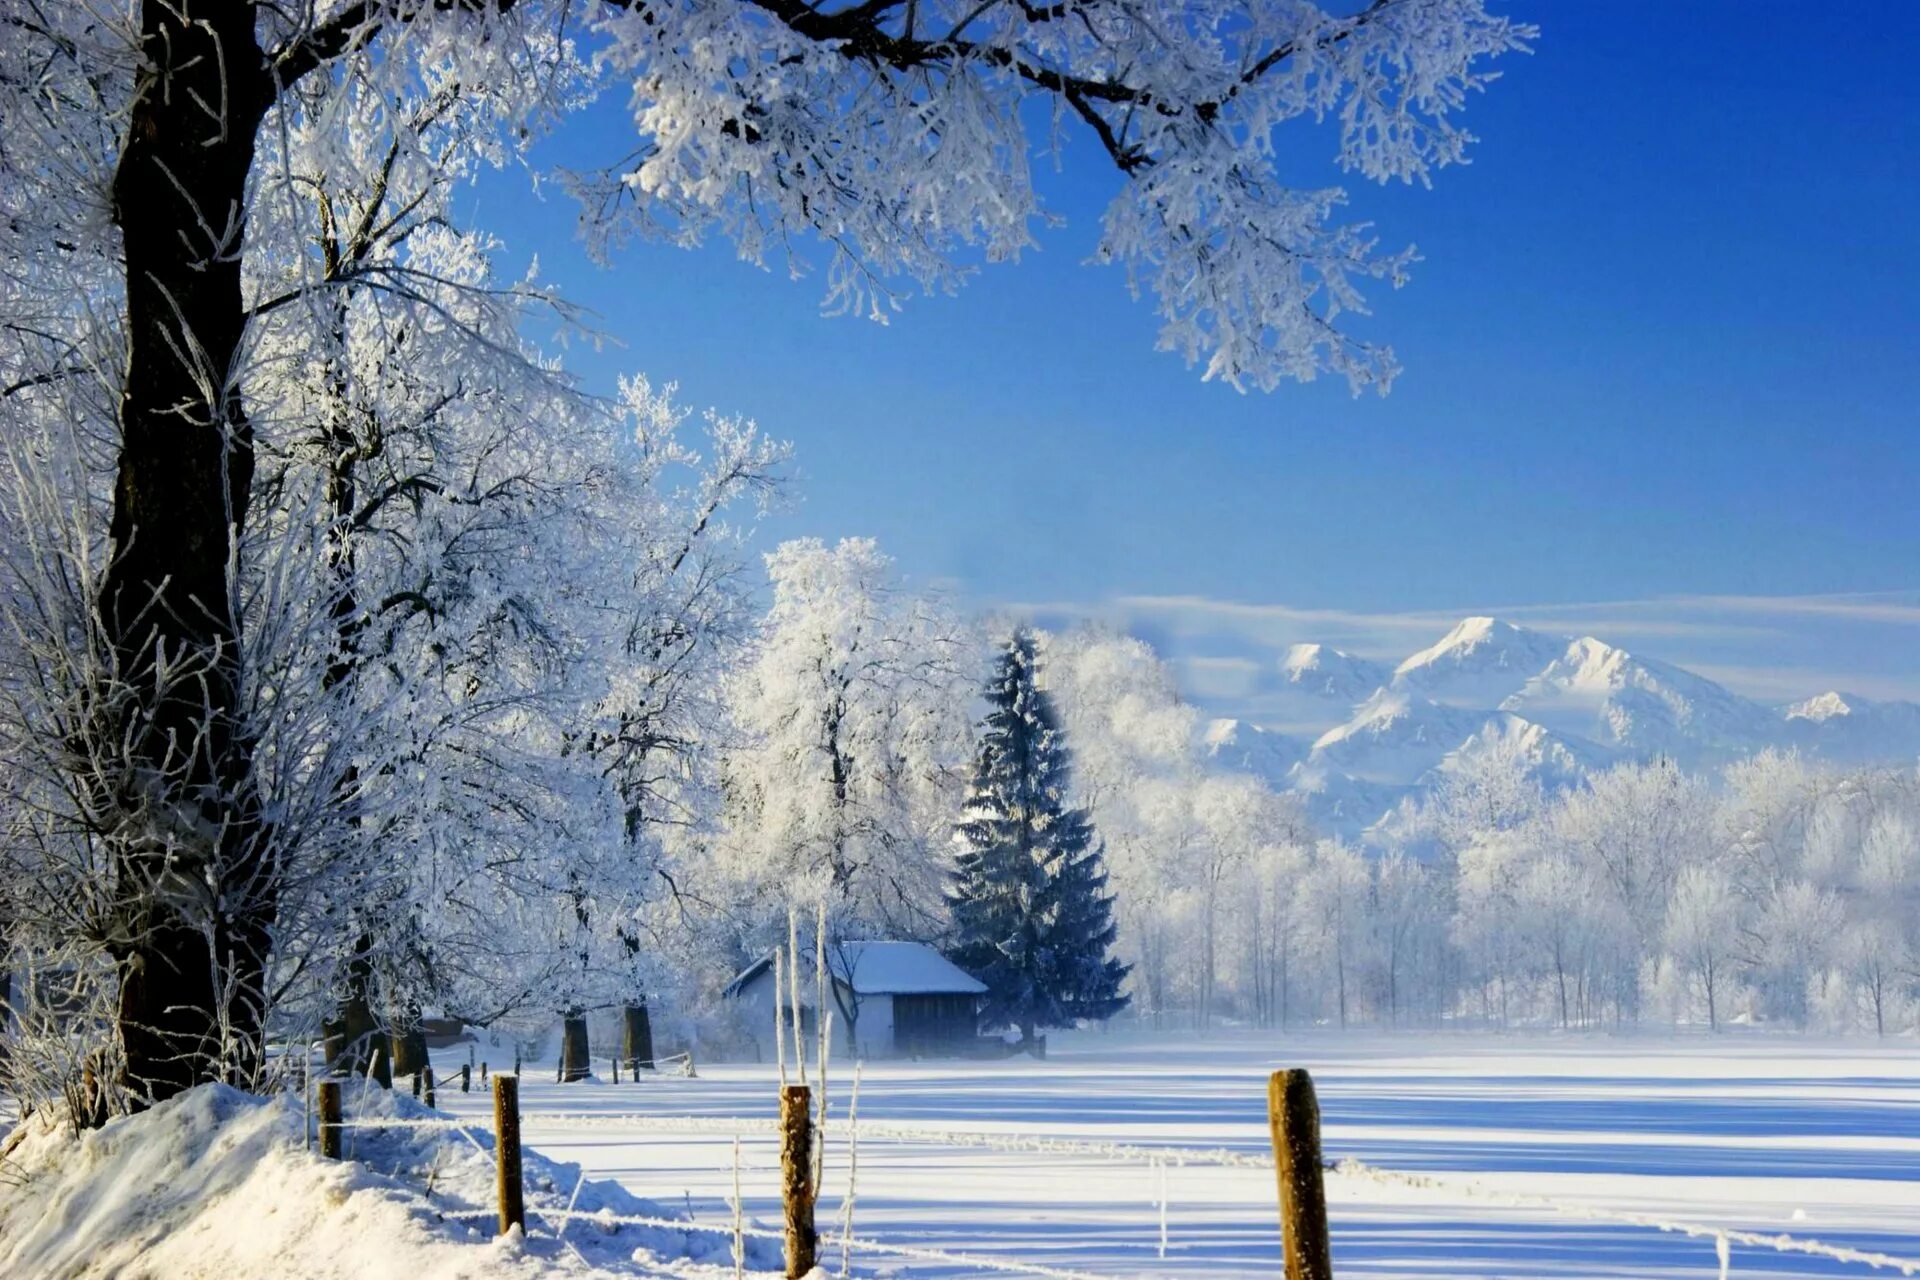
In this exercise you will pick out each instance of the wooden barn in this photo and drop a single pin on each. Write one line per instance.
(889, 1000)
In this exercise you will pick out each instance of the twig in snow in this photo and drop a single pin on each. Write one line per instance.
(825, 1021)
(779, 1015)
(820, 1125)
(571, 1201)
(853, 1172)
(366, 1083)
(793, 982)
(739, 1232)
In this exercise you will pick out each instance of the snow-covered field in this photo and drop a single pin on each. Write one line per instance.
(1817, 1140)
(1468, 1157)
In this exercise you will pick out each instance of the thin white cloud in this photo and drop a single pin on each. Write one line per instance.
(1796, 684)
(1771, 648)
(1281, 613)
(1886, 607)
(1240, 666)
(1619, 629)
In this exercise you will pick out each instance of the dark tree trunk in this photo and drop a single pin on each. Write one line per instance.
(6, 984)
(177, 802)
(356, 1042)
(575, 1064)
(636, 1038)
(409, 1045)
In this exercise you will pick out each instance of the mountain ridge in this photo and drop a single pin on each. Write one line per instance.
(1568, 705)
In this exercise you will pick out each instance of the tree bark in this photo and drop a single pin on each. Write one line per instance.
(574, 1062)
(1713, 1005)
(409, 1045)
(636, 1041)
(356, 1043)
(1293, 1118)
(796, 1178)
(175, 794)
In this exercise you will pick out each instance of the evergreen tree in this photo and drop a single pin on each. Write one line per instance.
(1031, 918)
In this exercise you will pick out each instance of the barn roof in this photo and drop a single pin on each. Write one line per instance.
(873, 968)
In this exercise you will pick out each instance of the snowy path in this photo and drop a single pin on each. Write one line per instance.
(1817, 1140)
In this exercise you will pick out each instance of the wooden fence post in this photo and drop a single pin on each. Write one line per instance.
(466, 1078)
(428, 1073)
(330, 1119)
(506, 1146)
(796, 1177)
(1293, 1114)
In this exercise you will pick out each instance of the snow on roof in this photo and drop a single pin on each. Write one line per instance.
(873, 968)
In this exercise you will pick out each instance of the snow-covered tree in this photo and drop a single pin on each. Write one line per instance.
(1235, 819)
(1135, 762)
(1272, 927)
(1629, 834)
(1565, 938)
(166, 163)
(1487, 876)
(1702, 934)
(851, 728)
(1483, 794)
(1882, 951)
(1407, 912)
(431, 598)
(1334, 905)
(1031, 916)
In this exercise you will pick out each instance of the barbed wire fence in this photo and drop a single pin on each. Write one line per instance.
(1155, 1158)
(803, 1132)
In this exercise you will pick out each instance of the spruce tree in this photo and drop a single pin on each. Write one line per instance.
(1031, 918)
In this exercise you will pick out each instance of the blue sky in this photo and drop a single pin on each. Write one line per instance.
(1663, 354)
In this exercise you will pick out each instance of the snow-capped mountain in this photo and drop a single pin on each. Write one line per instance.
(1317, 687)
(1339, 803)
(1393, 738)
(1478, 663)
(1550, 759)
(1248, 748)
(1847, 728)
(1565, 706)
(1326, 672)
(1641, 707)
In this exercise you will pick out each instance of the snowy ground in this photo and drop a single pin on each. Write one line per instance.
(217, 1185)
(1814, 1139)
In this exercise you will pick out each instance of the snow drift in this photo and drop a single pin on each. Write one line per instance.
(217, 1184)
